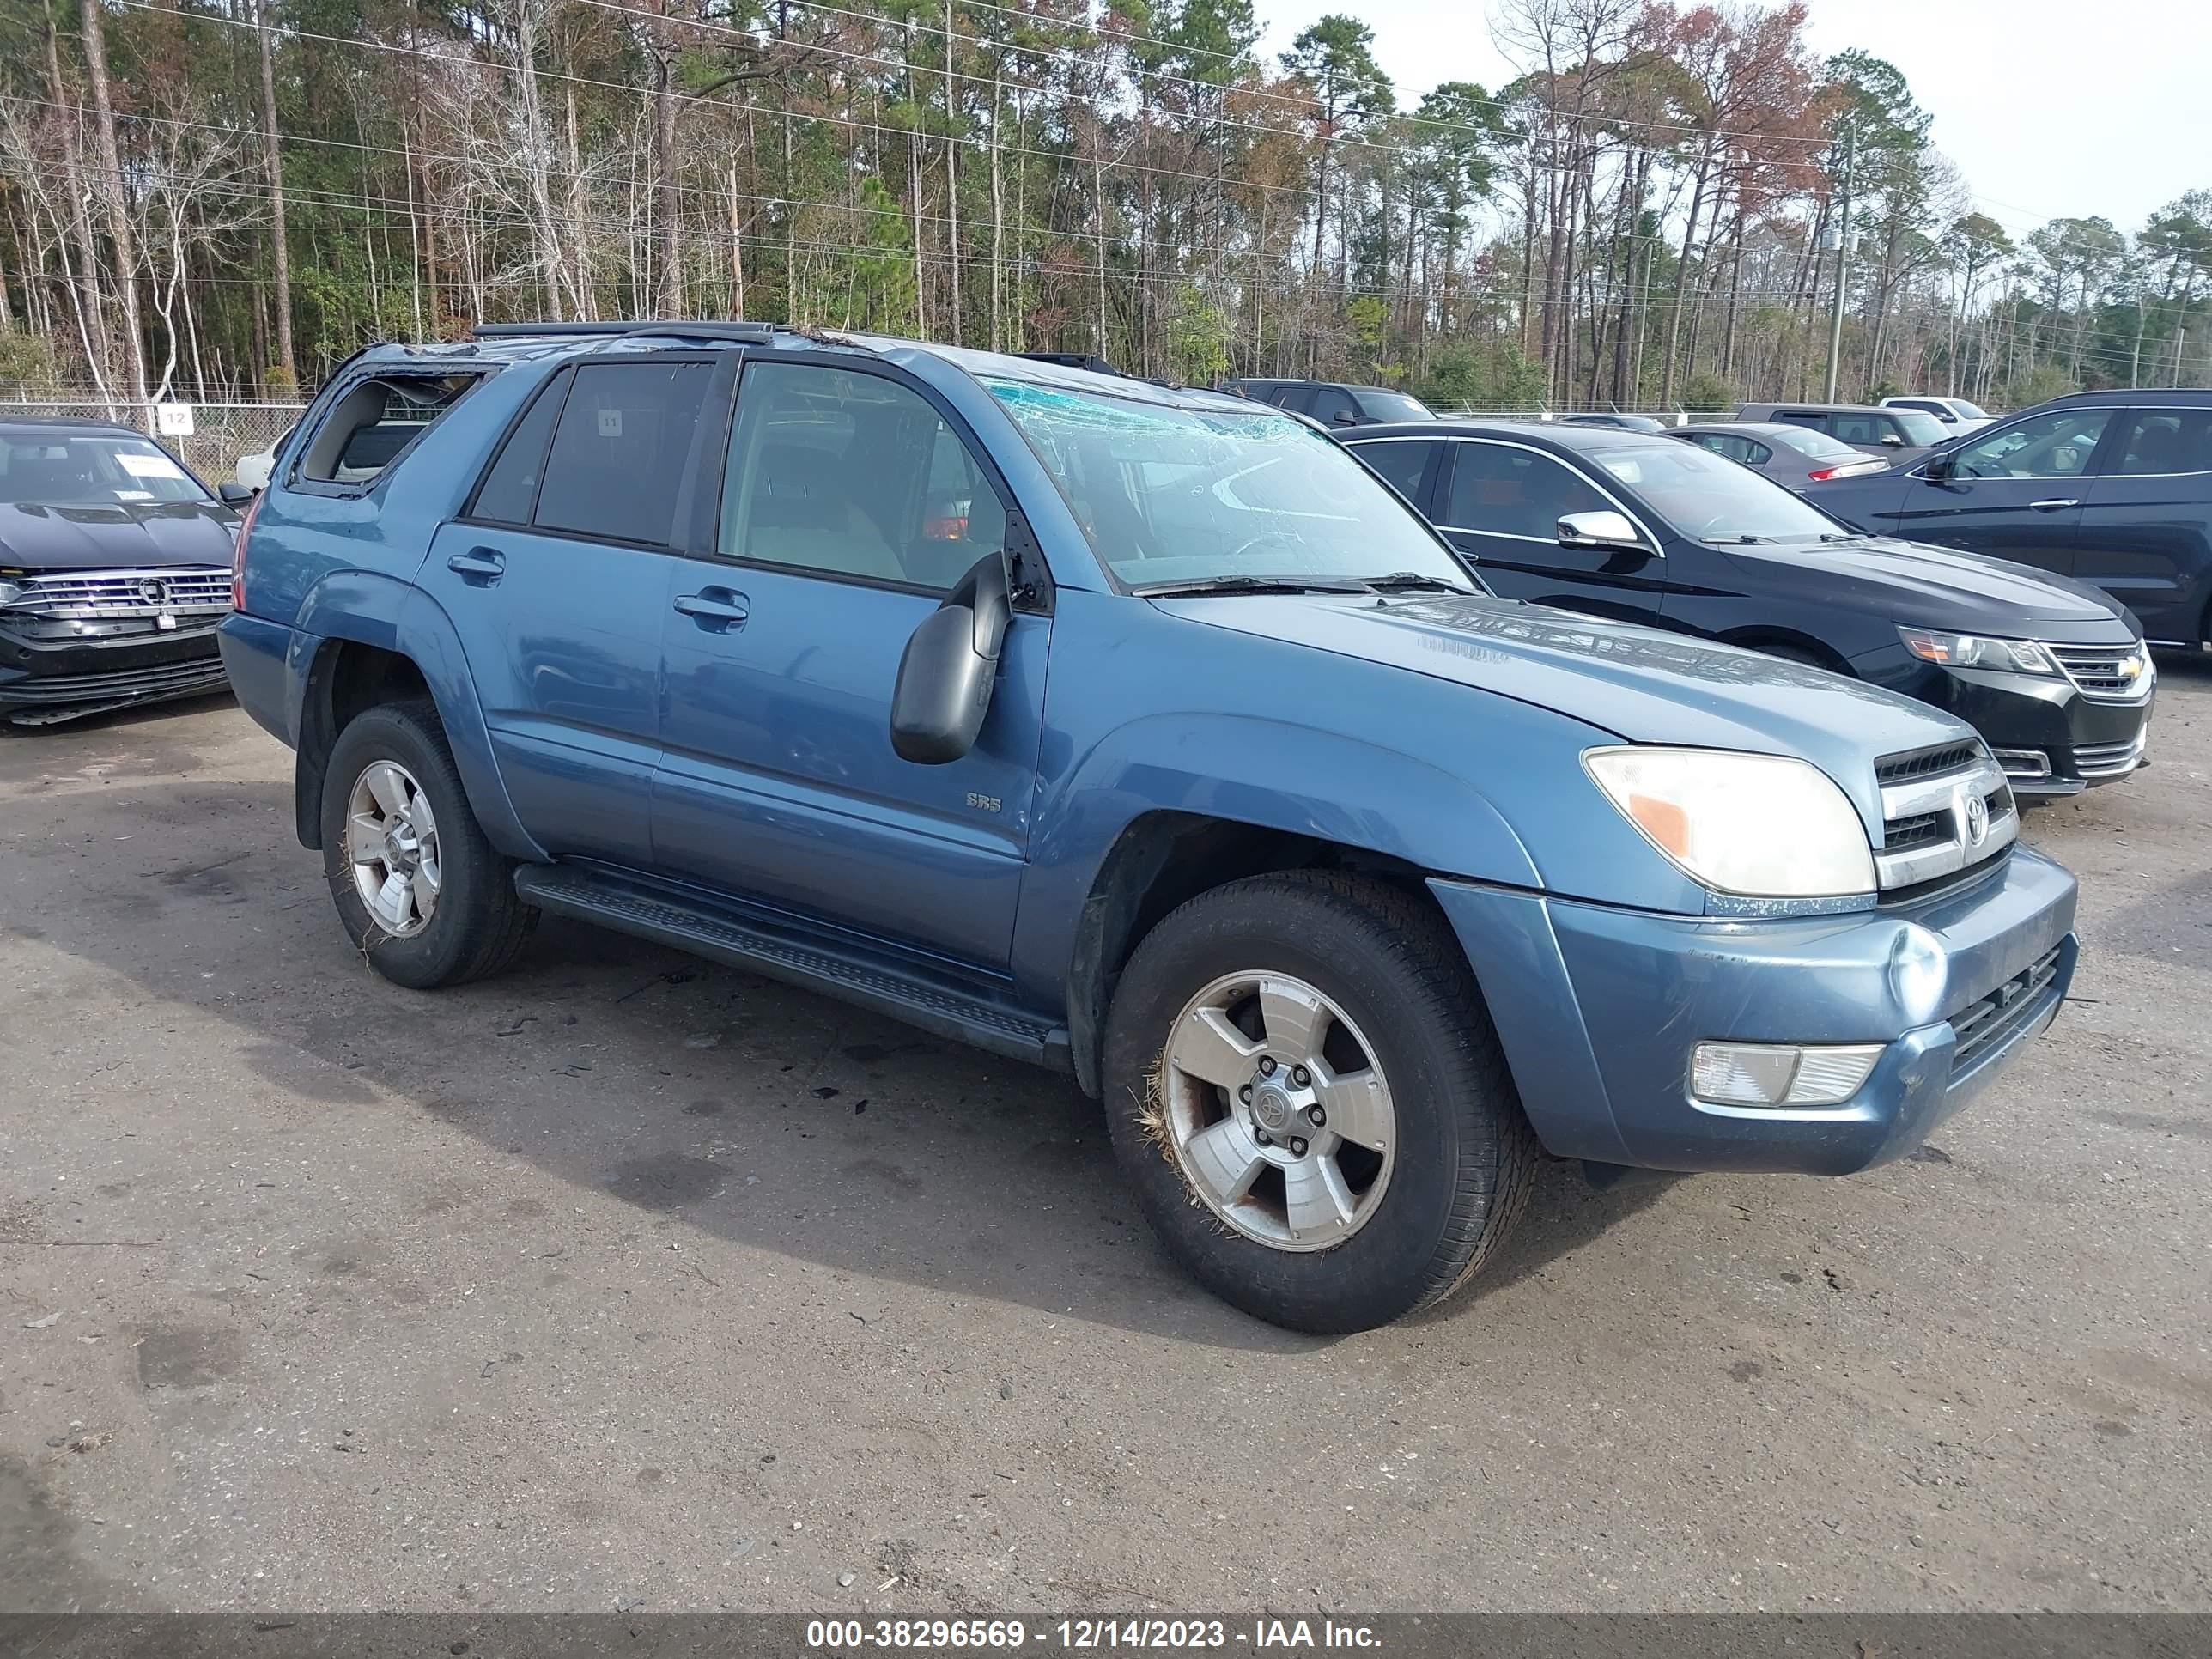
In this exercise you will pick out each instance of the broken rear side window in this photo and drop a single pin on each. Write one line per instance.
(375, 420)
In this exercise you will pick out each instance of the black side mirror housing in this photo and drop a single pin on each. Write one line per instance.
(1937, 466)
(1344, 417)
(234, 493)
(951, 663)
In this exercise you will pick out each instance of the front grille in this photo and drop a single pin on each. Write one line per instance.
(2110, 760)
(2107, 673)
(1945, 812)
(1983, 1024)
(1923, 763)
(123, 595)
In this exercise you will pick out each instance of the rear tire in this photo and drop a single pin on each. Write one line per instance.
(1369, 983)
(454, 915)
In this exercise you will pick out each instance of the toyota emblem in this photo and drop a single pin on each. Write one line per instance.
(1976, 815)
(153, 593)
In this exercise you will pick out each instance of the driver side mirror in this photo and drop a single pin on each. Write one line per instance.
(952, 661)
(1937, 467)
(1892, 439)
(234, 493)
(1606, 529)
(1345, 417)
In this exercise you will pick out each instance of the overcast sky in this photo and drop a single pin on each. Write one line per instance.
(2051, 108)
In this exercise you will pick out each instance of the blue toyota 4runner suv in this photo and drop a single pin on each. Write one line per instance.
(1139, 732)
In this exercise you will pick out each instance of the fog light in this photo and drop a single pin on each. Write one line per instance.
(1780, 1074)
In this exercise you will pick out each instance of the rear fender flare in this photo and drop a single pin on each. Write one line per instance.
(372, 609)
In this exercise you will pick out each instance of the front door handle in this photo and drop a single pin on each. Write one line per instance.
(2055, 506)
(480, 566)
(717, 609)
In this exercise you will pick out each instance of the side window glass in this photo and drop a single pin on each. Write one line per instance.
(1515, 492)
(1718, 442)
(2166, 440)
(1329, 403)
(509, 491)
(2058, 445)
(1401, 464)
(1803, 417)
(849, 474)
(1297, 399)
(619, 451)
(1755, 453)
(1860, 428)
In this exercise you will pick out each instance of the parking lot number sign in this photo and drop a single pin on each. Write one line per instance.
(173, 420)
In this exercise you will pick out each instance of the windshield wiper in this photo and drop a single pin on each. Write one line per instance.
(1407, 582)
(1245, 585)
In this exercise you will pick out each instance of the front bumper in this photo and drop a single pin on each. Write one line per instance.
(45, 681)
(2051, 738)
(1599, 1010)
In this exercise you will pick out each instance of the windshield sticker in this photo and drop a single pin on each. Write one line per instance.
(147, 464)
(134, 495)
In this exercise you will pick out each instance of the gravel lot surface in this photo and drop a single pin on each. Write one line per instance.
(629, 1281)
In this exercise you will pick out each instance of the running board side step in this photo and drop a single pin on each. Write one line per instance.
(783, 951)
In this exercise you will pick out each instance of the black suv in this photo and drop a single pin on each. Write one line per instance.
(1651, 530)
(1332, 403)
(2113, 488)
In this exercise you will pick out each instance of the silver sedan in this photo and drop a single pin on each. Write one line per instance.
(1790, 455)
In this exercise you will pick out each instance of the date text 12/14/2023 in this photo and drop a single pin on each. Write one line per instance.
(849, 1636)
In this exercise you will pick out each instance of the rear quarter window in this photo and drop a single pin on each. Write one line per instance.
(373, 422)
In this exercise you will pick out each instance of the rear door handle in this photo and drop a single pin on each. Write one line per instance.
(480, 566)
(717, 609)
(2055, 506)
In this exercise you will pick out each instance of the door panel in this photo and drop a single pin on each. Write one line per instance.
(2033, 520)
(777, 782)
(2146, 534)
(563, 639)
(563, 630)
(1501, 502)
(2012, 493)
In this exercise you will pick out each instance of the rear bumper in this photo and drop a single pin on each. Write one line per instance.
(1599, 1011)
(42, 681)
(257, 655)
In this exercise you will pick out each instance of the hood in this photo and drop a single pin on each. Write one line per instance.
(1641, 685)
(128, 535)
(1917, 584)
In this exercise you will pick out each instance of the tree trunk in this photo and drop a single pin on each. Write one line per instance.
(111, 187)
(272, 164)
(951, 177)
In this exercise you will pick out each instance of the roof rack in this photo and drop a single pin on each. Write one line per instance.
(625, 331)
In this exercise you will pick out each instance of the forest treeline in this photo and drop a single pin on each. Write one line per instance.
(222, 199)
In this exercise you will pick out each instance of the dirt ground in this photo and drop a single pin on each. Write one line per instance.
(626, 1281)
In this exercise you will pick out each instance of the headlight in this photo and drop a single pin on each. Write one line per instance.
(1972, 651)
(9, 593)
(1765, 826)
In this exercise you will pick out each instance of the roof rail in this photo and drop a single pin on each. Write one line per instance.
(625, 331)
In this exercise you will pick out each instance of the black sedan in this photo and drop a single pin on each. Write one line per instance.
(1617, 524)
(114, 570)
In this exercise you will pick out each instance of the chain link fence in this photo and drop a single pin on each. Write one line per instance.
(221, 434)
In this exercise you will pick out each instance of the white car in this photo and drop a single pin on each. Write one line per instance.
(1959, 417)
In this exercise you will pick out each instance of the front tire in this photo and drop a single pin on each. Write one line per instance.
(423, 896)
(1305, 1090)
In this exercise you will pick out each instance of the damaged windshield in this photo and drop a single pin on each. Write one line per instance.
(1169, 494)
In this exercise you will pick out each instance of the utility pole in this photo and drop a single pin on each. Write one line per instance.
(1843, 270)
